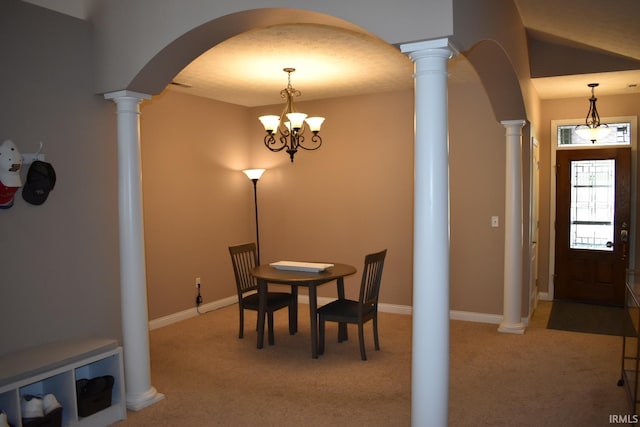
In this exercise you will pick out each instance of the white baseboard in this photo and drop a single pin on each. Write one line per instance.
(544, 296)
(304, 299)
(469, 316)
(192, 312)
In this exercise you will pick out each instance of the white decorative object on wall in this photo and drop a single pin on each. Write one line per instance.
(28, 158)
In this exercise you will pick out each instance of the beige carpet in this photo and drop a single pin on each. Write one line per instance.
(542, 378)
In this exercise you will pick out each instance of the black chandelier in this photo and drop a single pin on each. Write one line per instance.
(592, 129)
(286, 131)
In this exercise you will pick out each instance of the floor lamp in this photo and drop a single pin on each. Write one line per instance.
(254, 175)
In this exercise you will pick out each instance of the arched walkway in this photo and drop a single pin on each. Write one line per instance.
(501, 83)
(431, 189)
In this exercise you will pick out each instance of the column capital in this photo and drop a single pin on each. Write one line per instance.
(513, 123)
(119, 94)
(430, 47)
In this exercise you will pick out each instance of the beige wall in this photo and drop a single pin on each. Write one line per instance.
(352, 196)
(477, 177)
(561, 109)
(196, 202)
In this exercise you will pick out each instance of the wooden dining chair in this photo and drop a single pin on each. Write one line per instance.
(244, 258)
(358, 312)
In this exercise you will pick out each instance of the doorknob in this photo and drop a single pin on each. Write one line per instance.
(624, 236)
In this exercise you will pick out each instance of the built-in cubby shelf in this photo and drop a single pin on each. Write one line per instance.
(55, 368)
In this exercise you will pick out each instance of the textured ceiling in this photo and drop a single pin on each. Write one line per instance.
(329, 62)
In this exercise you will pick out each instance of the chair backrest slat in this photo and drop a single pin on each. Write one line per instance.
(244, 258)
(372, 277)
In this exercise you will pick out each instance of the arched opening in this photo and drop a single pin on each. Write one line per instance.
(214, 139)
(348, 168)
(189, 195)
(500, 80)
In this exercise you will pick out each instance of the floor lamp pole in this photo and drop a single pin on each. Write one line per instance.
(254, 175)
(255, 203)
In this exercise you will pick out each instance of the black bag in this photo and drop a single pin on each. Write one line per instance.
(93, 395)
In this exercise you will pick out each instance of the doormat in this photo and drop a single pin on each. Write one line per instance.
(590, 318)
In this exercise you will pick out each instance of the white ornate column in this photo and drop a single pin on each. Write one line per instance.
(430, 340)
(512, 320)
(133, 280)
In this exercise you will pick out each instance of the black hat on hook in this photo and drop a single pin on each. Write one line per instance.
(41, 179)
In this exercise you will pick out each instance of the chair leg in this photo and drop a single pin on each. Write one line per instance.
(321, 335)
(271, 334)
(342, 332)
(294, 309)
(363, 354)
(375, 331)
(293, 317)
(241, 333)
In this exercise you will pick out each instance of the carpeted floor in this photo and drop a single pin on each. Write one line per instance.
(590, 318)
(544, 378)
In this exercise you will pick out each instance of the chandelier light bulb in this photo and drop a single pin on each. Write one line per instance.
(296, 119)
(270, 123)
(314, 123)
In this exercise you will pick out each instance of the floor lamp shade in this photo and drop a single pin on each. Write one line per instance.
(254, 173)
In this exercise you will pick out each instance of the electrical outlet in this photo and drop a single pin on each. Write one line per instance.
(198, 297)
(495, 221)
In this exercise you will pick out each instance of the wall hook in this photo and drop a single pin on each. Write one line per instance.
(28, 158)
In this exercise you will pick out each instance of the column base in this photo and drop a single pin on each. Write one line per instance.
(512, 328)
(148, 398)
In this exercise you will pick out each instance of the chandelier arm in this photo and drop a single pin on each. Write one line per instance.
(270, 141)
(593, 114)
(289, 141)
(316, 139)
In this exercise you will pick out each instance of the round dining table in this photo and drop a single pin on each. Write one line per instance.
(266, 274)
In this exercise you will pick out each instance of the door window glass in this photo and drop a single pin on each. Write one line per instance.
(592, 204)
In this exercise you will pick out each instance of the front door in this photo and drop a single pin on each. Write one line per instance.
(592, 224)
